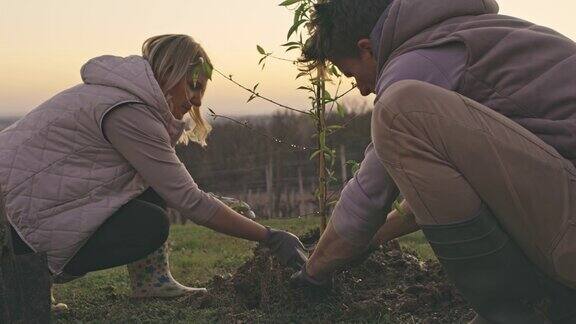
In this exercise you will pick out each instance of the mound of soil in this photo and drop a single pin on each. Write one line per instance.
(391, 286)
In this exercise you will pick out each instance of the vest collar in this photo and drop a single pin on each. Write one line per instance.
(134, 75)
(405, 19)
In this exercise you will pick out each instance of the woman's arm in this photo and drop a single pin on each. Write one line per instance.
(144, 142)
(229, 222)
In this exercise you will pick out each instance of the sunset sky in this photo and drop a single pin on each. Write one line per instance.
(43, 44)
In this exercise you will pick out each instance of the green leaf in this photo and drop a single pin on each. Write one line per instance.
(334, 71)
(294, 28)
(334, 127)
(292, 48)
(260, 50)
(305, 88)
(301, 74)
(340, 109)
(355, 166)
(315, 154)
(207, 68)
(328, 159)
(289, 2)
(262, 59)
(299, 11)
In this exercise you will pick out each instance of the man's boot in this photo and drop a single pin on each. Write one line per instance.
(561, 302)
(488, 268)
(151, 277)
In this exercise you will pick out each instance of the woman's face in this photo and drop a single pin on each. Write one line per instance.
(187, 94)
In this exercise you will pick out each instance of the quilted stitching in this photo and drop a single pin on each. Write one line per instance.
(62, 179)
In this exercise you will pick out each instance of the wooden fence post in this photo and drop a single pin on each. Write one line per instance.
(301, 195)
(270, 188)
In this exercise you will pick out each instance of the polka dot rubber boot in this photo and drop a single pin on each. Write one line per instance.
(151, 277)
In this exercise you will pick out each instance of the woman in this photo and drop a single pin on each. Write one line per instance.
(87, 175)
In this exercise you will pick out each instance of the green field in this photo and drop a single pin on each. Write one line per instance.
(197, 255)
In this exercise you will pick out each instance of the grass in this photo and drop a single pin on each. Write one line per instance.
(198, 254)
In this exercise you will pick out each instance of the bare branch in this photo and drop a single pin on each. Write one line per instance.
(229, 78)
(283, 59)
(336, 94)
(345, 93)
(245, 123)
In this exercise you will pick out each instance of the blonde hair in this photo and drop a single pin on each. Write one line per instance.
(172, 58)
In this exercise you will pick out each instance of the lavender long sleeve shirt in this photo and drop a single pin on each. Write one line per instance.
(367, 198)
(143, 140)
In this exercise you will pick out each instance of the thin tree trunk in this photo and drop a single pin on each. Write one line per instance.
(321, 128)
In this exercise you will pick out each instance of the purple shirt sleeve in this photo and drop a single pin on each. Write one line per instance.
(144, 142)
(365, 201)
(368, 197)
(442, 66)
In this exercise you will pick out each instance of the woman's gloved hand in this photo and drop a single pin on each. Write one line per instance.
(286, 247)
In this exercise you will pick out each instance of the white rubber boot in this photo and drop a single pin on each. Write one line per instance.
(151, 277)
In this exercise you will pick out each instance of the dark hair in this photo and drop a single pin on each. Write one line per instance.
(336, 26)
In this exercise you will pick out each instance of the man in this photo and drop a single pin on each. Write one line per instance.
(475, 124)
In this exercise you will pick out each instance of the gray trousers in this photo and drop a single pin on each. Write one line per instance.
(448, 154)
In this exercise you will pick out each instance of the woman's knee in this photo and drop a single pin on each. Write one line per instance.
(158, 228)
(150, 221)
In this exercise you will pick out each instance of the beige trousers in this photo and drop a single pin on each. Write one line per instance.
(448, 154)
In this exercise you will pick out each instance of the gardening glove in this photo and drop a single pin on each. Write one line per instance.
(286, 247)
(333, 252)
(303, 279)
(363, 256)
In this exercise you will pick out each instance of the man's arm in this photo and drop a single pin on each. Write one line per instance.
(368, 197)
(399, 222)
(360, 212)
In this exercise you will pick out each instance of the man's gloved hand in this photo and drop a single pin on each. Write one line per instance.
(303, 279)
(360, 258)
(286, 247)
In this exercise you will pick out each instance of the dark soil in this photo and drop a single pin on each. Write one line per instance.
(391, 286)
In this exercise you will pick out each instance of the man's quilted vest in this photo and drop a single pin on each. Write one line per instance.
(60, 176)
(523, 71)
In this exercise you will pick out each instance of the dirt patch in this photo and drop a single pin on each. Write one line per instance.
(391, 286)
